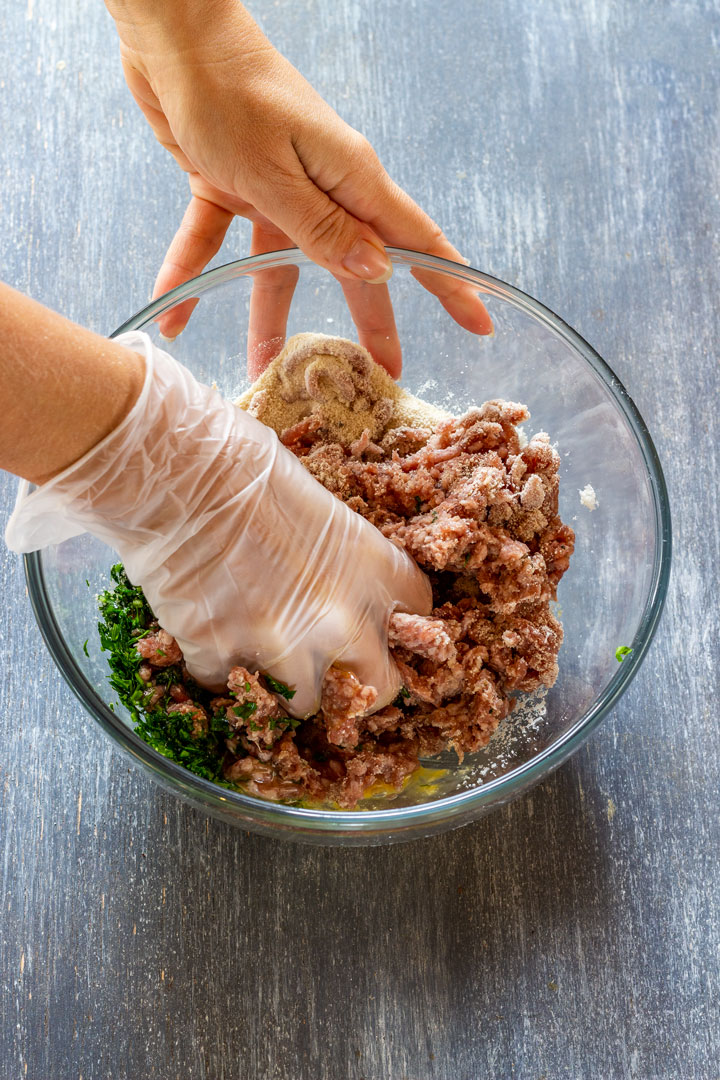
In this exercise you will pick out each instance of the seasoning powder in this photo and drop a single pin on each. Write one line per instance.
(339, 382)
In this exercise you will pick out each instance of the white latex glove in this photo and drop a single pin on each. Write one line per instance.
(243, 556)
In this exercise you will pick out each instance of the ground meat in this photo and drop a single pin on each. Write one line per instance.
(160, 649)
(403, 441)
(391, 764)
(246, 689)
(344, 700)
(301, 434)
(153, 695)
(422, 636)
(532, 495)
(286, 779)
(196, 713)
(365, 447)
(254, 713)
(179, 693)
(479, 512)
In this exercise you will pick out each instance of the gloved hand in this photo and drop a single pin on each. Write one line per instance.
(243, 556)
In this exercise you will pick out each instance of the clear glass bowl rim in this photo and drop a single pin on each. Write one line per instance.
(467, 803)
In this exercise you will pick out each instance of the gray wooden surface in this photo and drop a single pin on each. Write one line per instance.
(573, 148)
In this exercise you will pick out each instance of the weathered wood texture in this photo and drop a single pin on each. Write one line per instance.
(572, 148)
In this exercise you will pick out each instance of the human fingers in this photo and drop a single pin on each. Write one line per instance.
(460, 299)
(368, 192)
(202, 231)
(321, 227)
(372, 312)
(270, 300)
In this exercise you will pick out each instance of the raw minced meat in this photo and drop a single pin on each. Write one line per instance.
(477, 510)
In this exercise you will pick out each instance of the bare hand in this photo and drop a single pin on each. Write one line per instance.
(257, 141)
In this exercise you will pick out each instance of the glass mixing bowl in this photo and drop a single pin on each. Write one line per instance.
(611, 596)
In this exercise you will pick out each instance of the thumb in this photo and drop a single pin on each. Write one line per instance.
(369, 659)
(323, 230)
(368, 655)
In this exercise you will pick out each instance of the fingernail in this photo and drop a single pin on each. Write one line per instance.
(169, 340)
(368, 262)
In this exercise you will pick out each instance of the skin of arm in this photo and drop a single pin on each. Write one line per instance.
(63, 388)
(257, 141)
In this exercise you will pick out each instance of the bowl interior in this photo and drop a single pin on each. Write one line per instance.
(611, 594)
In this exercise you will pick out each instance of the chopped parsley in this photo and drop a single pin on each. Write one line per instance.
(244, 712)
(85, 645)
(125, 618)
(402, 695)
(278, 687)
(621, 652)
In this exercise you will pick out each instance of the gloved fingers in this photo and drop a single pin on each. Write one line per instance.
(369, 659)
(303, 666)
(213, 676)
(303, 673)
(408, 587)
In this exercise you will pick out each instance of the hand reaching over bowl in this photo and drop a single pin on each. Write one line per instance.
(257, 141)
(243, 556)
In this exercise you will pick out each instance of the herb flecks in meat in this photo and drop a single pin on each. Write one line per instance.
(278, 687)
(169, 710)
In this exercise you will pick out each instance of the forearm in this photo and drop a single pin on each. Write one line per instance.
(63, 388)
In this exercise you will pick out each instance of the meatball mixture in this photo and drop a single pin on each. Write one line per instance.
(478, 511)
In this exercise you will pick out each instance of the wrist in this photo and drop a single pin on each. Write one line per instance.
(148, 27)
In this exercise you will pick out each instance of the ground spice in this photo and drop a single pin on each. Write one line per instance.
(338, 382)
